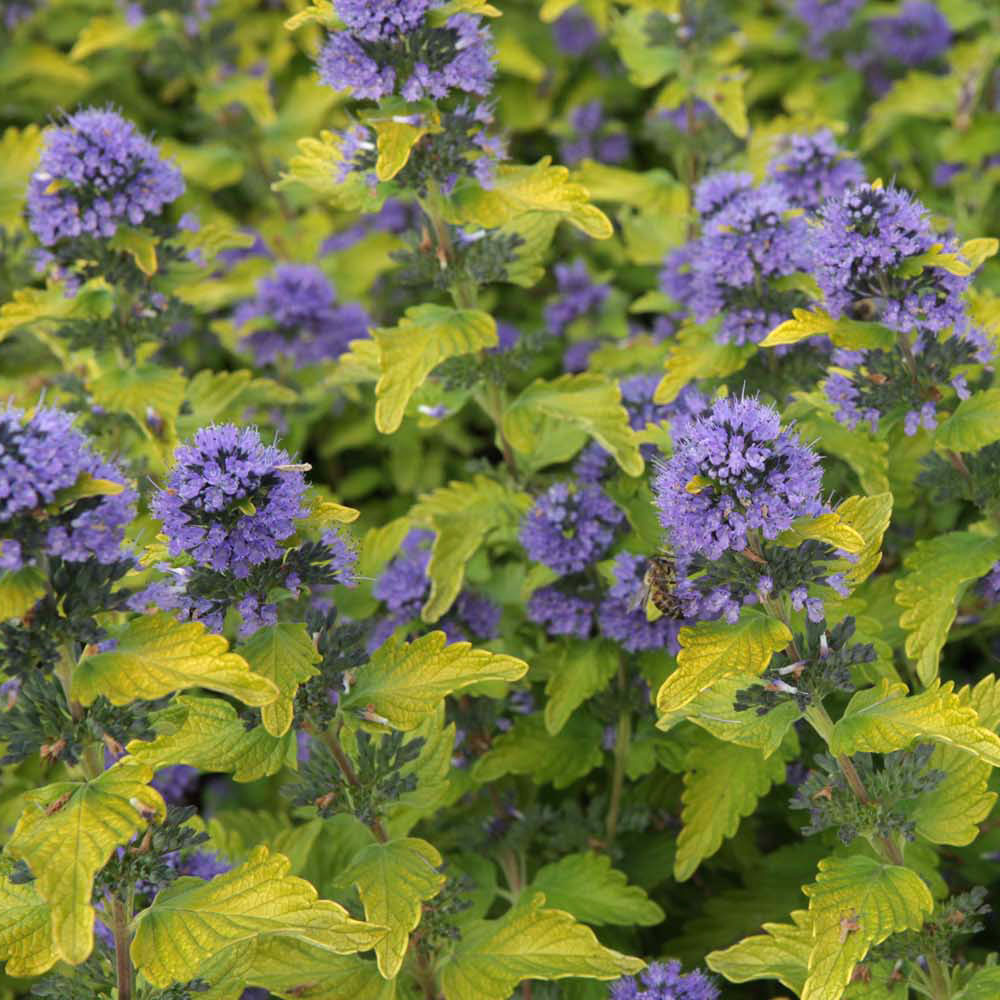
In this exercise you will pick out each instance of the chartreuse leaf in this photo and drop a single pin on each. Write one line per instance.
(869, 517)
(781, 952)
(588, 401)
(20, 591)
(286, 656)
(19, 152)
(395, 141)
(974, 424)
(586, 886)
(520, 189)
(193, 919)
(950, 812)
(35, 305)
(938, 571)
(582, 669)
(713, 650)
(405, 681)
(984, 985)
(463, 516)
(828, 527)
(527, 942)
(208, 734)
(157, 655)
(976, 252)
(696, 354)
(66, 834)
(722, 784)
(140, 245)
(25, 927)
(320, 167)
(887, 718)
(723, 90)
(393, 880)
(847, 333)
(291, 968)
(855, 903)
(139, 389)
(421, 340)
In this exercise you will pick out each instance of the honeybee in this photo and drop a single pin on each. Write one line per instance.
(658, 588)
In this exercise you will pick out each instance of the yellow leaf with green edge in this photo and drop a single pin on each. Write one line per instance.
(520, 189)
(138, 390)
(43, 305)
(713, 711)
(405, 681)
(319, 166)
(977, 252)
(950, 813)
(781, 952)
(67, 833)
(322, 13)
(869, 517)
(722, 784)
(463, 516)
(193, 919)
(828, 527)
(527, 942)
(724, 92)
(711, 651)
(419, 342)
(856, 903)
(157, 655)
(440, 15)
(394, 879)
(325, 513)
(291, 968)
(20, 591)
(140, 245)
(695, 354)
(85, 486)
(286, 655)
(19, 153)
(846, 333)
(588, 401)
(887, 718)
(581, 671)
(587, 887)
(395, 141)
(208, 734)
(938, 571)
(534, 232)
(25, 927)
(974, 424)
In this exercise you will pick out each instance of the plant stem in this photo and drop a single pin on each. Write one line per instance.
(347, 769)
(939, 981)
(623, 737)
(123, 961)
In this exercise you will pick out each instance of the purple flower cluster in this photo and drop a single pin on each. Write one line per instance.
(561, 612)
(824, 18)
(569, 526)
(734, 473)
(98, 172)
(858, 248)
(390, 47)
(403, 587)
(574, 32)
(590, 140)
(42, 455)
(811, 168)
(622, 615)
(665, 981)
(16, 11)
(302, 321)
(230, 500)
(175, 783)
(578, 295)
(918, 34)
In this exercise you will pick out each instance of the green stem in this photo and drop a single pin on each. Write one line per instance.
(123, 961)
(939, 980)
(623, 738)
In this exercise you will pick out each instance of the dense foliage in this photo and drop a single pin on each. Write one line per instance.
(499, 501)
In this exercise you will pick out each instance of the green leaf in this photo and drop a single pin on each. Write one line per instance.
(418, 343)
(581, 670)
(393, 880)
(855, 903)
(647, 63)
(887, 718)
(938, 572)
(586, 886)
(695, 354)
(984, 985)
(528, 748)
(395, 141)
(25, 927)
(20, 591)
(208, 734)
(711, 651)
(136, 390)
(527, 942)
(140, 245)
(157, 655)
(193, 919)
(781, 952)
(31, 306)
(286, 656)
(67, 833)
(869, 517)
(588, 401)
(405, 681)
(463, 516)
(319, 165)
(19, 153)
(520, 189)
(723, 90)
(974, 424)
(722, 785)
(950, 812)
(829, 528)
